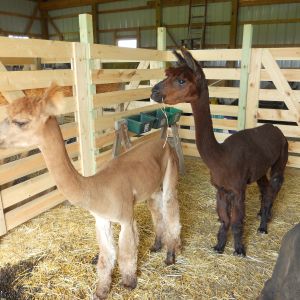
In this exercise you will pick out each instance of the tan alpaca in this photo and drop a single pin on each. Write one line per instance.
(147, 172)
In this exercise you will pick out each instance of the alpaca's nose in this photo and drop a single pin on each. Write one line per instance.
(156, 95)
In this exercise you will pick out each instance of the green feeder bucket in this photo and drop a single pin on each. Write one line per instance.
(140, 123)
(173, 114)
(160, 118)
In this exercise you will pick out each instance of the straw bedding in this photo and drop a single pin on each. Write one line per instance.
(53, 255)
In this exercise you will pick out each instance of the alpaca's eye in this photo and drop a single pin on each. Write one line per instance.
(20, 123)
(181, 81)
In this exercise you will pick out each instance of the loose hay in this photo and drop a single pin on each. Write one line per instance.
(62, 244)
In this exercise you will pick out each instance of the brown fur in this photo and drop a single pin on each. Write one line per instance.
(243, 158)
(149, 172)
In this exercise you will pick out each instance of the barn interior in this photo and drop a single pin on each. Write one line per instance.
(107, 55)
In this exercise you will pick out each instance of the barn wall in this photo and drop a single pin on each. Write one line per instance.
(14, 17)
(276, 24)
(272, 34)
(113, 25)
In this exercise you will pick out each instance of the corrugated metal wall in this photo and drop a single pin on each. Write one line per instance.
(272, 33)
(17, 23)
(69, 26)
(112, 25)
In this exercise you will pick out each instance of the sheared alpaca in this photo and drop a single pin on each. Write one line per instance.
(149, 172)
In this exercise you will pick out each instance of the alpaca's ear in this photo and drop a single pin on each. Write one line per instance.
(52, 100)
(180, 59)
(190, 61)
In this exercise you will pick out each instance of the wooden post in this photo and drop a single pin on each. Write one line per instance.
(253, 88)
(245, 64)
(84, 91)
(161, 45)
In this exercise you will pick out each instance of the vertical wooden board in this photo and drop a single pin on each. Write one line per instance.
(245, 63)
(86, 28)
(3, 228)
(281, 83)
(84, 94)
(253, 89)
(161, 45)
(84, 113)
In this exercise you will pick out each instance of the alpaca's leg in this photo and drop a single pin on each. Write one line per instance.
(155, 205)
(263, 184)
(266, 202)
(277, 176)
(170, 212)
(106, 258)
(274, 186)
(127, 258)
(172, 225)
(237, 219)
(269, 196)
(224, 217)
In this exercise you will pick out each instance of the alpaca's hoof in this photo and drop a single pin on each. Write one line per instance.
(170, 260)
(262, 230)
(157, 246)
(101, 294)
(130, 282)
(240, 251)
(98, 297)
(218, 249)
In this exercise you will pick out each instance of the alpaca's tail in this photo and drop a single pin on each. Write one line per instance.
(171, 207)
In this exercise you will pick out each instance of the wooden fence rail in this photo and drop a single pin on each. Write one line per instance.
(27, 188)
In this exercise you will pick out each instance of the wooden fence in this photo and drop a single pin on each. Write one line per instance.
(27, 189)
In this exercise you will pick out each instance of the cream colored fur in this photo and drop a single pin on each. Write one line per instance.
(147, 172)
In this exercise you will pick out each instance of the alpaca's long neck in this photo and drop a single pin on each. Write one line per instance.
(208, 147)
(67, 179)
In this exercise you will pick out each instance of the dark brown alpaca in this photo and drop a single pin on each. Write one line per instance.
(241, 159)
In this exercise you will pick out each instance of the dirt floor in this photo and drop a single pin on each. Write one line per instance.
(53, 255)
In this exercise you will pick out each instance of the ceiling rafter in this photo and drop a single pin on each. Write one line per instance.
(60, 4)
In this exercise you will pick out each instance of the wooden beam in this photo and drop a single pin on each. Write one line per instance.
(33, 208)
(29, 25)
(265, 2)
(61, 37)
(282, 85)
(234, 23)
(171, 37)
(120, 10)
(158, 13)
(13, 14)
(95, 21)
(44, 24)
(10, 96)
(59, 4)
(274, 21)
(245, 65)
